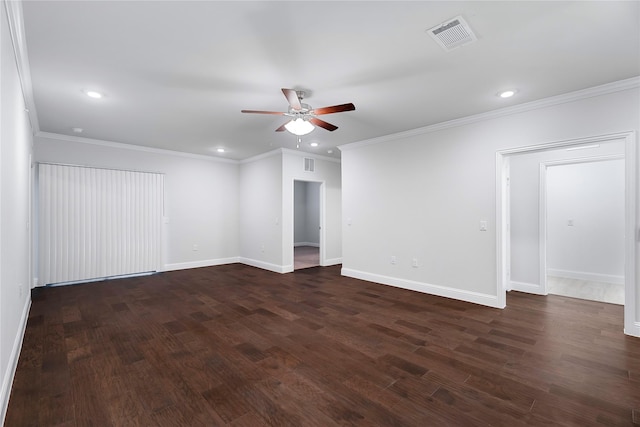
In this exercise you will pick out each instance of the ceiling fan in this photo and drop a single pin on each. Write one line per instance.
(303, 116)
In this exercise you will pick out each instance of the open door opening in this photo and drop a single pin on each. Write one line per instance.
(584, 200)
(522, 253)
(306, 224)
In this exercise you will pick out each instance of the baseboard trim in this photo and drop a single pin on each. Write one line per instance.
(634, 331)
(202, 263)
(315, 245)
(585, 275)
(332, 261)
(266, 265)
(426, 288)
(13, 361)
(530, 288)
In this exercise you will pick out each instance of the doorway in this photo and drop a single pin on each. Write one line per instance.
(306, 224)
(536, 243)
(583, 211)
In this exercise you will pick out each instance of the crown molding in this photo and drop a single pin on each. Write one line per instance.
(631, 83)
(19, 42)
(111, 144)
(261, 156)
(311, 155)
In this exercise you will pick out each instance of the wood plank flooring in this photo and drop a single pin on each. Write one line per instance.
(235, 345)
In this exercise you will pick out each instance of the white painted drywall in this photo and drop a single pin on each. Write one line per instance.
(15, 246)
(306, 201)
(585, 221)
(313, 212)
(261, 216)
(423, 195)
(327, 171)
(201, 195)
(524, 204)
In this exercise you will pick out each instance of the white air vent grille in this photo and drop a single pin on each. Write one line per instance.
(453, 33)
(309, 164)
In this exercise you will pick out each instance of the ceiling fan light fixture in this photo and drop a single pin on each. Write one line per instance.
(299, 126)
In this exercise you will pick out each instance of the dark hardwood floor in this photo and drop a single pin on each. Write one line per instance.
(235, 345)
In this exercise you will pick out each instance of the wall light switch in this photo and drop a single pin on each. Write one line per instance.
(483, 225)
(570, 222)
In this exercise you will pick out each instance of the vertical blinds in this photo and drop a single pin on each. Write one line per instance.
(96, 223)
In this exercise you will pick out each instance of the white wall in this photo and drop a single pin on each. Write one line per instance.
(261, 212)
(524, 202)
(15, 176)
(306, 201)
(422, 194)
(327, 172)
(591, 196)
(201, 195)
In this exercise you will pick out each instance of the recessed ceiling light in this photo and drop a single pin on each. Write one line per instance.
(93, 94)
(220, 150)
(330, 151)
(314, 144)
(77, 130)
(507, 93)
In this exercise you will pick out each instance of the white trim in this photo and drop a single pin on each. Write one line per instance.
(567, 143)
(633, 330)
(542, 229)
(315, 245)
(133, 147)
(586, 275)
(332, 261)
(13, 360)
(201, 263)
(19, 41)
(604, 89)
(266, 265)
(426, 288)
(288, 151)
(530, 288)
(311, 155)
(631, 309)
(260, 156)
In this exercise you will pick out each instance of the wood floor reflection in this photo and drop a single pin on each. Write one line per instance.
(305, 257)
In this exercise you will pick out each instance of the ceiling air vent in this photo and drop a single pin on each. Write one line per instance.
(309, 165)
(452, 34)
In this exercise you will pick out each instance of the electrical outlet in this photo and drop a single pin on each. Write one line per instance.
(21, 290)
(414, 263)
(195, 247)
(262, 248)
(393, 260)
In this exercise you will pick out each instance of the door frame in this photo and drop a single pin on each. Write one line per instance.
(631, 316)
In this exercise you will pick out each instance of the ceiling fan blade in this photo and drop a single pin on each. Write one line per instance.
(334, 109)
(292, 97)
(321, 123)
(282, 128)
(279, 113)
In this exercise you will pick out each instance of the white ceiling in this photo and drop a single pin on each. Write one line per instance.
(177, 74)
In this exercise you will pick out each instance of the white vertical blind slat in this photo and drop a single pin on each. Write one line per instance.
(98, 223)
